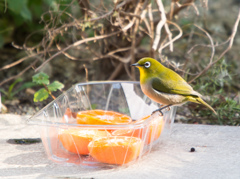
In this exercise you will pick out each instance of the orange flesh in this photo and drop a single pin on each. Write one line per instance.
(101, 117)
(116, 149)
(153, 132)
(76, 140)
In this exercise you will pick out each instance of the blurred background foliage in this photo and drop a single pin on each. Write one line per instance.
(18, 19)
(44, 24)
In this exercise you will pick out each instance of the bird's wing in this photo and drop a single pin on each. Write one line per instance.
(177, 87)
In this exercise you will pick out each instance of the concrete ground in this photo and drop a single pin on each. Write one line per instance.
(217, 155)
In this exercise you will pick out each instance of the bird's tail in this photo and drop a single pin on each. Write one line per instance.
(199, 100)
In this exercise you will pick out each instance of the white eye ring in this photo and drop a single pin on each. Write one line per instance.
(147, 64)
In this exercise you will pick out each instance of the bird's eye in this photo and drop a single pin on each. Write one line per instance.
(147, 64)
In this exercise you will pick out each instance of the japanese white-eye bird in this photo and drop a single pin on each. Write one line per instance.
(165, 86)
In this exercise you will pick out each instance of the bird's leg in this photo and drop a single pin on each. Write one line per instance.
(160, 109)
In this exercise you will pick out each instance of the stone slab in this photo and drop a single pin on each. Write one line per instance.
(217, 155)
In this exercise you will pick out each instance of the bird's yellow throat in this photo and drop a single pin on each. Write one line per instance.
(143, 75)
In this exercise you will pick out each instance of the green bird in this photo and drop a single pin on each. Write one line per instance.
(165, 86)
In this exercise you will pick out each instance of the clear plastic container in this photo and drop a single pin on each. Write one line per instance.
(67, 141)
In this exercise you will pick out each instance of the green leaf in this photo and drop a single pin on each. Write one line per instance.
(24, 86)
(16, 5)
(40, 95)
(94, 106)
(52, 4)
(3, 91)
(25, 13)
(20, 7)
(12, 86)
(41, 78)
(56, 85)
(36, 8)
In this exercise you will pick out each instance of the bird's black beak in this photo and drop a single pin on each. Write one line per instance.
(135, 64)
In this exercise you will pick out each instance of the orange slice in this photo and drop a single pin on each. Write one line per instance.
(128, 132)
(153, 132)
(155, 129)
(115, 149)
(76, 140)
(101, 117)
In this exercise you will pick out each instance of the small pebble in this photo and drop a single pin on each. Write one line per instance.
(30, 91)
(192, 149)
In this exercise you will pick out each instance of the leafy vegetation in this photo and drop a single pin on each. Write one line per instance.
(12, 91)
(43, 93)
(217, 84)
(24, 17)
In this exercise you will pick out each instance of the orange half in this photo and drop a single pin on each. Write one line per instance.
(115, 149)
(101, 117)
(154, 130)
(76, 140)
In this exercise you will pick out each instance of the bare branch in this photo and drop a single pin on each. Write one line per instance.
(169, 37)
(205, 2)
(160, 24)
(151, 32)
(119, 50)
(123, 60)
(195, 8)
(110, 12)
(129, 14)
(212, 55)
(16, 62)
(65, 53)
(133, 34)
(116, 71)
(174, 39)
(76, 44)
(19, 74)
(171, 10)
(177, 10)
(86, 72)
(230, 39)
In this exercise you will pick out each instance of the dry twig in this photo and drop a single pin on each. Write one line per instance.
(151, 32)
(19, 74)
(174, 39)
(86, 72)
(212, 55)
(162, 22)
(230, 40)
(76, 44)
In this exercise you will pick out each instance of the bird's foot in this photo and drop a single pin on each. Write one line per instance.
(158, 110)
